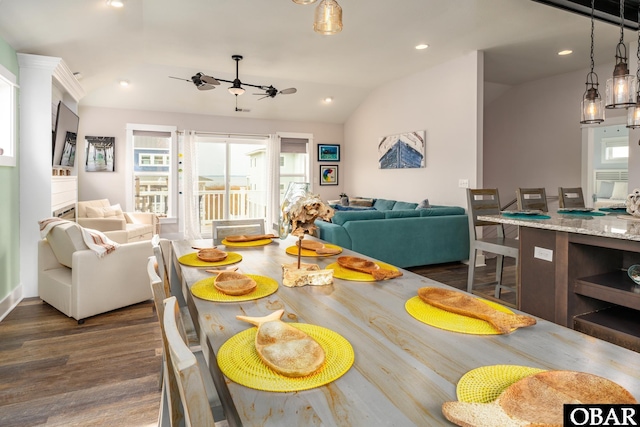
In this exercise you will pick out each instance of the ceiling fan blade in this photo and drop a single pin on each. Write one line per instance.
(288, 91)
(265, 96)
(205, 87)
(209, 80)
(180, 78)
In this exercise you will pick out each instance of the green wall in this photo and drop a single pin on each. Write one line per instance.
(10, 201)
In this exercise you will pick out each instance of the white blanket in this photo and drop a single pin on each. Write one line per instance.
(94, 239)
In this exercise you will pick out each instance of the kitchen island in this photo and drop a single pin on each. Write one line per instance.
(572, 271)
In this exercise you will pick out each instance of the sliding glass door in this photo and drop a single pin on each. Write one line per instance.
(232, 178)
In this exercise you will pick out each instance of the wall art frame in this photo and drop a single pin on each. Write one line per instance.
(328, 174)
(100, 154)
(328, 152)
(402, 151)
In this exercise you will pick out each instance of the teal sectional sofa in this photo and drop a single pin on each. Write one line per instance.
(399, 234)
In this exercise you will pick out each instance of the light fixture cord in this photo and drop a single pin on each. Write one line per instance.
(592, 30)
(638, 54)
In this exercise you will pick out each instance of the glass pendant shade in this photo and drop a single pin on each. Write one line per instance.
(328, 18)
(621, 88)
(304, 1)
(633, 116)
(592, 107)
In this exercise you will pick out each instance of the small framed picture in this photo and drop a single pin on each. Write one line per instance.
(328, 174)
(328, 153)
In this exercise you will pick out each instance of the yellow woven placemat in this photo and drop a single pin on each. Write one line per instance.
(260, 242)
(484, 384)
(239, 361)
(192, 260)
(356, 276)
(451, 321)
(206, 290)
(293, 250)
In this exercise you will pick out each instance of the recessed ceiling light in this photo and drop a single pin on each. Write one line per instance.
(422, 46)
(565, 52)
(124, 83)
(328, 100)
(115, 3)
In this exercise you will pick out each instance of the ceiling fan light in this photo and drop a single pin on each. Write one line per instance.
(236, 90)
(115, 3)
(328, 18)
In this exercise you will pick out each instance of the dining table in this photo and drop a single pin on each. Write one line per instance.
(403, 369)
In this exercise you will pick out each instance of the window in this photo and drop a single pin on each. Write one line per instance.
(152, 183)
(615, 150)
(294, 162)
(7, 117)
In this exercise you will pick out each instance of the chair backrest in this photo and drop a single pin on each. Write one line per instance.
(170, 382)
(231, 227)
(570, 197)
(160, 260)
(483, 201)
(191, 386)
(532, 198)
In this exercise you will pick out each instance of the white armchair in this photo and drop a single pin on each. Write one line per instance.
(121, 227)
(74, 280)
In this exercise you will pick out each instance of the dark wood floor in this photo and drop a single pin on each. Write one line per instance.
(54, 372)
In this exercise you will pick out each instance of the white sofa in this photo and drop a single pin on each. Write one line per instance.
(119, 226)
(73, 279)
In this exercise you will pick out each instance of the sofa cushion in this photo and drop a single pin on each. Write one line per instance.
(401, 213)
(342, 217)
(620, 191)
(139, 232)
(401, 206)
(384, 204)
(64, 240)
(441, 211)
(606, 190)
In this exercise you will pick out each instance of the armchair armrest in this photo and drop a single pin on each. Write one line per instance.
(103, 224)
(144, 218)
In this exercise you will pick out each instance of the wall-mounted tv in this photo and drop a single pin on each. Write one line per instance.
(65, 136)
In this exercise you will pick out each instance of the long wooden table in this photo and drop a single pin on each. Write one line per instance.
(404, 369)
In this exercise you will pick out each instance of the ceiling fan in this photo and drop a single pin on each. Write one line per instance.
(204, 82)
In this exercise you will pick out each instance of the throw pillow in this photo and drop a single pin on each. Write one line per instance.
(402, 206)
(423, 204)
(605, 191)
(620, 190)
(361, 201)
(384, 204)
(94, 212)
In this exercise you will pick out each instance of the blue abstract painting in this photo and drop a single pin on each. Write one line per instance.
(402, 151)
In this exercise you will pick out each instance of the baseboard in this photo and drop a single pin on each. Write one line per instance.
(10, 301)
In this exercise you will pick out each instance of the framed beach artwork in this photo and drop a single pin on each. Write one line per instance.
(328, 153)
(328, 174)
(402, 151)
(100, 153)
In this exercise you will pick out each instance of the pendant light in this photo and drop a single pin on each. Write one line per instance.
(621, 86)
(592, 103)
(328, 18)
(633, 113)
(304, 1)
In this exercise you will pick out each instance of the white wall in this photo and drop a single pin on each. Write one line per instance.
(112, 122)
(442, 100)
(533, 135)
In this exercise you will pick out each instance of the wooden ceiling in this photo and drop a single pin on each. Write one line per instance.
(605, 10)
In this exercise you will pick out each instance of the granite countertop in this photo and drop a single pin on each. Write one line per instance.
(617, 226)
